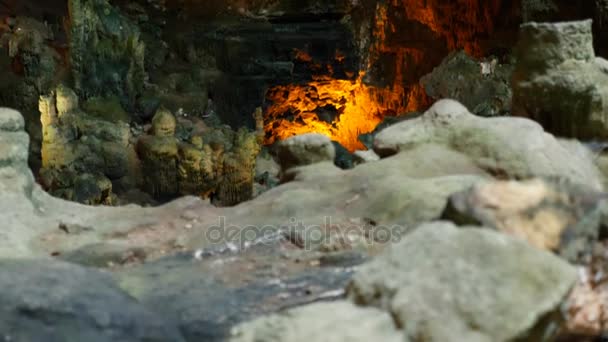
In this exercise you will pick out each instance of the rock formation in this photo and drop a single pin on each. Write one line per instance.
(552, 214)
(77, 143)
(558, 80)
(106, 51)
(511, 148)
(482, 85)
(438, 283)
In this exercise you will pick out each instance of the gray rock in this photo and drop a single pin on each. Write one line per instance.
(15, 175)
(549, 45)
(11, 120)
(13, 148)
(103, 254)
(323, 322)
(482, 86)
(210, 295)
(504, 147)
(361, 157)
(559, 82)
(304, 150)
(447, 284)
(45, 300)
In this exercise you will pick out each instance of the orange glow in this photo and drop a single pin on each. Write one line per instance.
(344, 109)
(357, 109)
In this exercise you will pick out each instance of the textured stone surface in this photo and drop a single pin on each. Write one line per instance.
(550, 214)
(504, 147)
(45, 300)
(210, 293)
(484, 86)
(443, 283)
(324, 322)
(304, 150)
(559, 82)
(11, 120)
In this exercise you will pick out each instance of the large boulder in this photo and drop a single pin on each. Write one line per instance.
(44, 300)
(504, 147)
(304, 150)
(559, 82)
(550, 214)
(323, 322)
(482, 86)
(444, 284)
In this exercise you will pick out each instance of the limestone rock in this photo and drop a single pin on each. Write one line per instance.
(11, 120)
(304, 150)
(559, 82)
(15, 175)
(238, 169)
(45, 300)
(159, 156)
(504, 147)
(163, 123)
(443, 284)
(324, 322)
(483, 86)
(550, 214)
(102, 38)
(378, 202)
(76, 142)
(361, 157)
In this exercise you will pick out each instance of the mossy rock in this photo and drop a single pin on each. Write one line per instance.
(108, 109)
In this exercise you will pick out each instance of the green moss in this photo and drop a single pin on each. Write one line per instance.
(108, 109)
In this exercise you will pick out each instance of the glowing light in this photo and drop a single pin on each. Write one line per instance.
(344, 109)
(351, 107)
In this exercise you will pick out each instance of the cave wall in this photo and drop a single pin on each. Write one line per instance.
(252, 45)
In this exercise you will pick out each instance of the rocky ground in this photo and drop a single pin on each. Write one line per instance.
(519, 259)
(458, 224)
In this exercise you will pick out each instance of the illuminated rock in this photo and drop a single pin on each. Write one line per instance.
(238, 170)
(77, 143)
(159, 157)
(190, 173)
(66, 100)
(163, 123)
